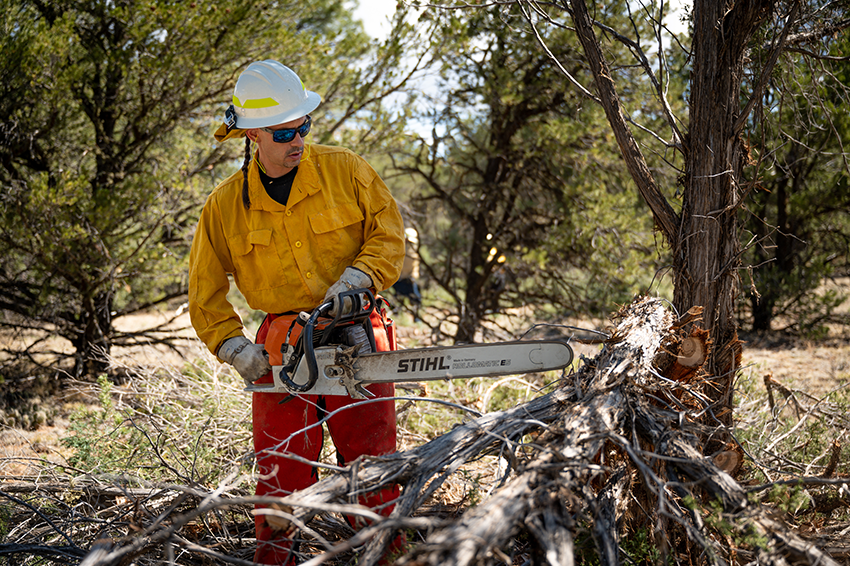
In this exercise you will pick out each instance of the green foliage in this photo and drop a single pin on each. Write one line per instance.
(472, 497)
(797, 224)
(519, 195)
(104, 395)
(6, 512)
(801, 428)
(641, 548)
(166, 432)
(788, 498)
(586, 552)
(82, 441)
(638, 547)
(106, 155)
(737, 529)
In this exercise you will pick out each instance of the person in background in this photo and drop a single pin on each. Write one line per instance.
(406, 286)
(299, 224)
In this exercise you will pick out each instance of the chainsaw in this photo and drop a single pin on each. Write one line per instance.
(318, 355)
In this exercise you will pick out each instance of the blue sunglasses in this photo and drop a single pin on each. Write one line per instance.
(288, 134)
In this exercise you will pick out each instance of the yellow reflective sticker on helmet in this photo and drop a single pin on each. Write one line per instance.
(255, 103)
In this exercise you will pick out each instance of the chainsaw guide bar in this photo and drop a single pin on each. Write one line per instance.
(341, 373)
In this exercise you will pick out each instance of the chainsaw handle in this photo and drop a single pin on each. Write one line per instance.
(309, 352)
(362, 305)
(360, 310)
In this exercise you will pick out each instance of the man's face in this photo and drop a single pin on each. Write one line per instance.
(276, 155)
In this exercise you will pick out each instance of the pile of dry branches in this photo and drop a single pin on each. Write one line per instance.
(615, 450)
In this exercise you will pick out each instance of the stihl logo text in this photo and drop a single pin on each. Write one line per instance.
(422, 364)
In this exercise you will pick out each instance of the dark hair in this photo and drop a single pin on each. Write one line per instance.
(246, 198)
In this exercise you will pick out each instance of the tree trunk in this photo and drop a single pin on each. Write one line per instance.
(704, 237)
(93, 338)
(762, 312)
(471, 308)
(707, 255)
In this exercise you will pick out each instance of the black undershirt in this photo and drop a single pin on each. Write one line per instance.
(278, 188)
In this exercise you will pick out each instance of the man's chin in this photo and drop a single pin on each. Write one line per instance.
(293, 160)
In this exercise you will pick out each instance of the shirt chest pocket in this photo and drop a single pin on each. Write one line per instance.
(339, 234)
(256, 262)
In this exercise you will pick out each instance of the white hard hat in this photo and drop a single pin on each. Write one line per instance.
(268, 93)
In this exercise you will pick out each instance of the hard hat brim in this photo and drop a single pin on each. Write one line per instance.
(312, 102)
(274, 117)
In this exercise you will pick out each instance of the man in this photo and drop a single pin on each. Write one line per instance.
(298, 225)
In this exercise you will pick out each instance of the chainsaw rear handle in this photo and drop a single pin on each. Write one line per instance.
(360, 310)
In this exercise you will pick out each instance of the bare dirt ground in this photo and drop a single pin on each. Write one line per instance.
(815, 367)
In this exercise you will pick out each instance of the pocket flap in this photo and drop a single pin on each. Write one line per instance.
(336, 218)
(260, 237)
(241, 244)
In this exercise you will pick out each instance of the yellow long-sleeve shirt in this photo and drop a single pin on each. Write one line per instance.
(284, 258)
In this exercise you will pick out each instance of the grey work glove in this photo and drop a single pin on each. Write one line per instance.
(249, 359)
(352, 278)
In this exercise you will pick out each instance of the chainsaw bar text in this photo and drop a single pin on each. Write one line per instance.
(422, 364)
(438, 363)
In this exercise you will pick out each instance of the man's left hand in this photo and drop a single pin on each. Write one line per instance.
(352, 278)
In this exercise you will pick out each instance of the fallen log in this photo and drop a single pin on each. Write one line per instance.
(616, 449)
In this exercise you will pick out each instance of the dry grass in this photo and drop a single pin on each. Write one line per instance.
(109, 460)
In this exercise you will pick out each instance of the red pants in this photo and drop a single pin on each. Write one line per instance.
(368, 429)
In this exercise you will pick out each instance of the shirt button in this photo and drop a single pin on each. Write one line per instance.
(309, 274)
(298, 244)
(289, 212)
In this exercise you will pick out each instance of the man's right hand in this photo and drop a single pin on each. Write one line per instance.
(249, 359)
(351, 278)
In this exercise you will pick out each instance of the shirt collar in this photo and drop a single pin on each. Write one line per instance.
(306, 183)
